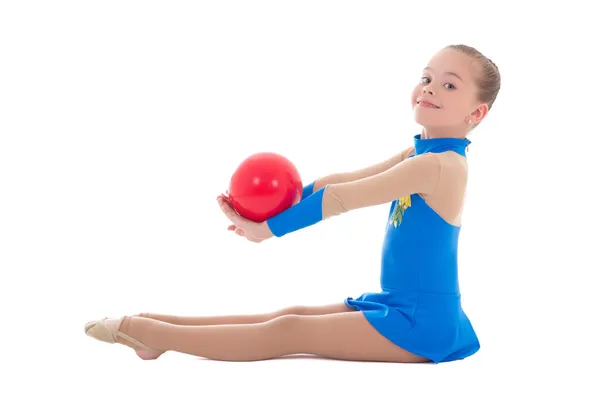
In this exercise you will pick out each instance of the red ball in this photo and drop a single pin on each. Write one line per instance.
(264, 185)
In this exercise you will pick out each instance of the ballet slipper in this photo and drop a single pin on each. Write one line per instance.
(107, 330)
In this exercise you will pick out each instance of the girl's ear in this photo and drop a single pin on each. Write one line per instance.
(479, 114)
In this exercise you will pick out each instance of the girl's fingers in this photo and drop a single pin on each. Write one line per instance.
(229, 212)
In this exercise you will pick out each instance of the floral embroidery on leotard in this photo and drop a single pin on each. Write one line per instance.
(398, 214)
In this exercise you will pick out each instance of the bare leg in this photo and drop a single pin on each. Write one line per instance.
(344, 336)
(248, 319)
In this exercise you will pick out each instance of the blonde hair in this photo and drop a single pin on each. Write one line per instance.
(488, 80)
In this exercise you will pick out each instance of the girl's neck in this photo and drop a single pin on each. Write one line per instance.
(443, 132)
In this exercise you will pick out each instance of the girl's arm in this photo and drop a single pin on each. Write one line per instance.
(419, 174)
(355, 175)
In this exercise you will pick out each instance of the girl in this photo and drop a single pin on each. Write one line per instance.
(417, 316)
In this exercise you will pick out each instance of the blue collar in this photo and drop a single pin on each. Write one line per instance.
(439, 145)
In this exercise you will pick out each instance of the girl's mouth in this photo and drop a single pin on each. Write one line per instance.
(426, 104)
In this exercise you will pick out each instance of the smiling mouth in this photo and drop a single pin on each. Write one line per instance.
(425, 104)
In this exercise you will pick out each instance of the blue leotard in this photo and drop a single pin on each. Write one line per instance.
(419, 305)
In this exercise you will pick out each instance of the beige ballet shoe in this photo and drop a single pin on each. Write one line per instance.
(107, 330)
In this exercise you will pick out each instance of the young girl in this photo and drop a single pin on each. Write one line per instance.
(417, 316)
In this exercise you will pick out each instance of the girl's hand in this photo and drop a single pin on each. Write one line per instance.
(253, 231)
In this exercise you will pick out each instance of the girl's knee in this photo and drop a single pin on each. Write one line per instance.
(293, 310)
(285, 324)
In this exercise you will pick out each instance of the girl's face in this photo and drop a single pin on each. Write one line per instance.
(446, 96)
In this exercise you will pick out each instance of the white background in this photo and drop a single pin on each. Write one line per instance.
(121, 121)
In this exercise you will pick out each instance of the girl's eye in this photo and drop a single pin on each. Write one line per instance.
(446, 85)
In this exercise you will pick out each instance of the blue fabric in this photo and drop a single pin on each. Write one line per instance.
(419, 306)
(308, 190)
(439, 145)
(307, 212)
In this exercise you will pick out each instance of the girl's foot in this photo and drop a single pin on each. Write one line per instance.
(114, 330)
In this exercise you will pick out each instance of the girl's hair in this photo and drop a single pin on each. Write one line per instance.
(488, 81)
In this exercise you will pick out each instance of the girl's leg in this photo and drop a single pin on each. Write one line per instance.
(345, 336)
(248, 319)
